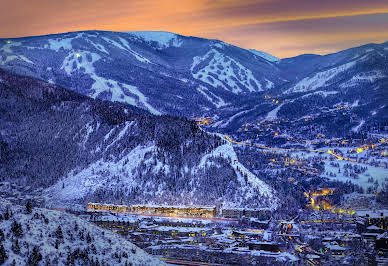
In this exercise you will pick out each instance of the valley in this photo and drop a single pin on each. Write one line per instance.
(197, 151)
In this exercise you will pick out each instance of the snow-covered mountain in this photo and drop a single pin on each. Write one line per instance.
(355, 67)
(45, 237)
(340, 94)
(166, 73)
(161, 72)
(80, 149)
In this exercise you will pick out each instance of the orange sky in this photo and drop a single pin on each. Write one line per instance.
(281, 27)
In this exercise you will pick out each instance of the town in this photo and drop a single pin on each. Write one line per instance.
(205, 234)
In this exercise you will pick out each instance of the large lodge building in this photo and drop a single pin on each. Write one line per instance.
(194, 211)
(151, 209)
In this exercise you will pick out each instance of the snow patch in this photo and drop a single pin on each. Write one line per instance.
(322, 93)
(124, 45)
(90, 179)
(75, 61)
(369, 77)
(234, 116)
(64, 43)
(253, 185)
(264, 55)
(208, 95)
(320, 79)
(6, 49)
(273, 115)
(222, 71)
(357, 128)
(164, 39)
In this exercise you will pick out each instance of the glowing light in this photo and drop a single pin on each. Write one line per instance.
(77, 55)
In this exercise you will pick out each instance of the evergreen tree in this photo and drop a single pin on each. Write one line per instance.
(59, 233)
(3, 254)
(35, 256)
(15, 246)
(6, 215)
(2, 237)
(17, 229)
(28, 207)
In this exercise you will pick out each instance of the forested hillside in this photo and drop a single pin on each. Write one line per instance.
(80, 149)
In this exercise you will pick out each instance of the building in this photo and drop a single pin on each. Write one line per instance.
(266, 246)
(98, 207)
(200, 211)
(378, 218)
(260, 213)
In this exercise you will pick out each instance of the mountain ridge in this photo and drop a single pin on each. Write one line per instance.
(198, 77)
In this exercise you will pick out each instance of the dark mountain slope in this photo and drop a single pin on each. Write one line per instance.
(81, 149)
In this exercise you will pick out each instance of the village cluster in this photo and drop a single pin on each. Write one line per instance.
(236, 235)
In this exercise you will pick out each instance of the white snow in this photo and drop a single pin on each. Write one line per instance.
(265, 55)
(88, 180)
(220, 45)
(370, 77)
(234, 116)
(222, 66)
(98, 46)
(319, 79)
(137, 55)
(89, 130)
(323, 93)
(209, 96)
(107, 136)
(378, 173)
(357, 128)
(41, 232)
(355, 103)
(102, 84)
(6, 49)
(269, 84)
(164, 39)
(64, 43)
(124, 45)
(121, 134)
(274, 113)
(254, 185)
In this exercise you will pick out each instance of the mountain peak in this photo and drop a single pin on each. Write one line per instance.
(163, 38)
(265, 55)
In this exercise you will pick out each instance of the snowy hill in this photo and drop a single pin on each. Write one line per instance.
(45, 237)
(80, 149)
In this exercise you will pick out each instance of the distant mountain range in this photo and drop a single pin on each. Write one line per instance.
(166, 73)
